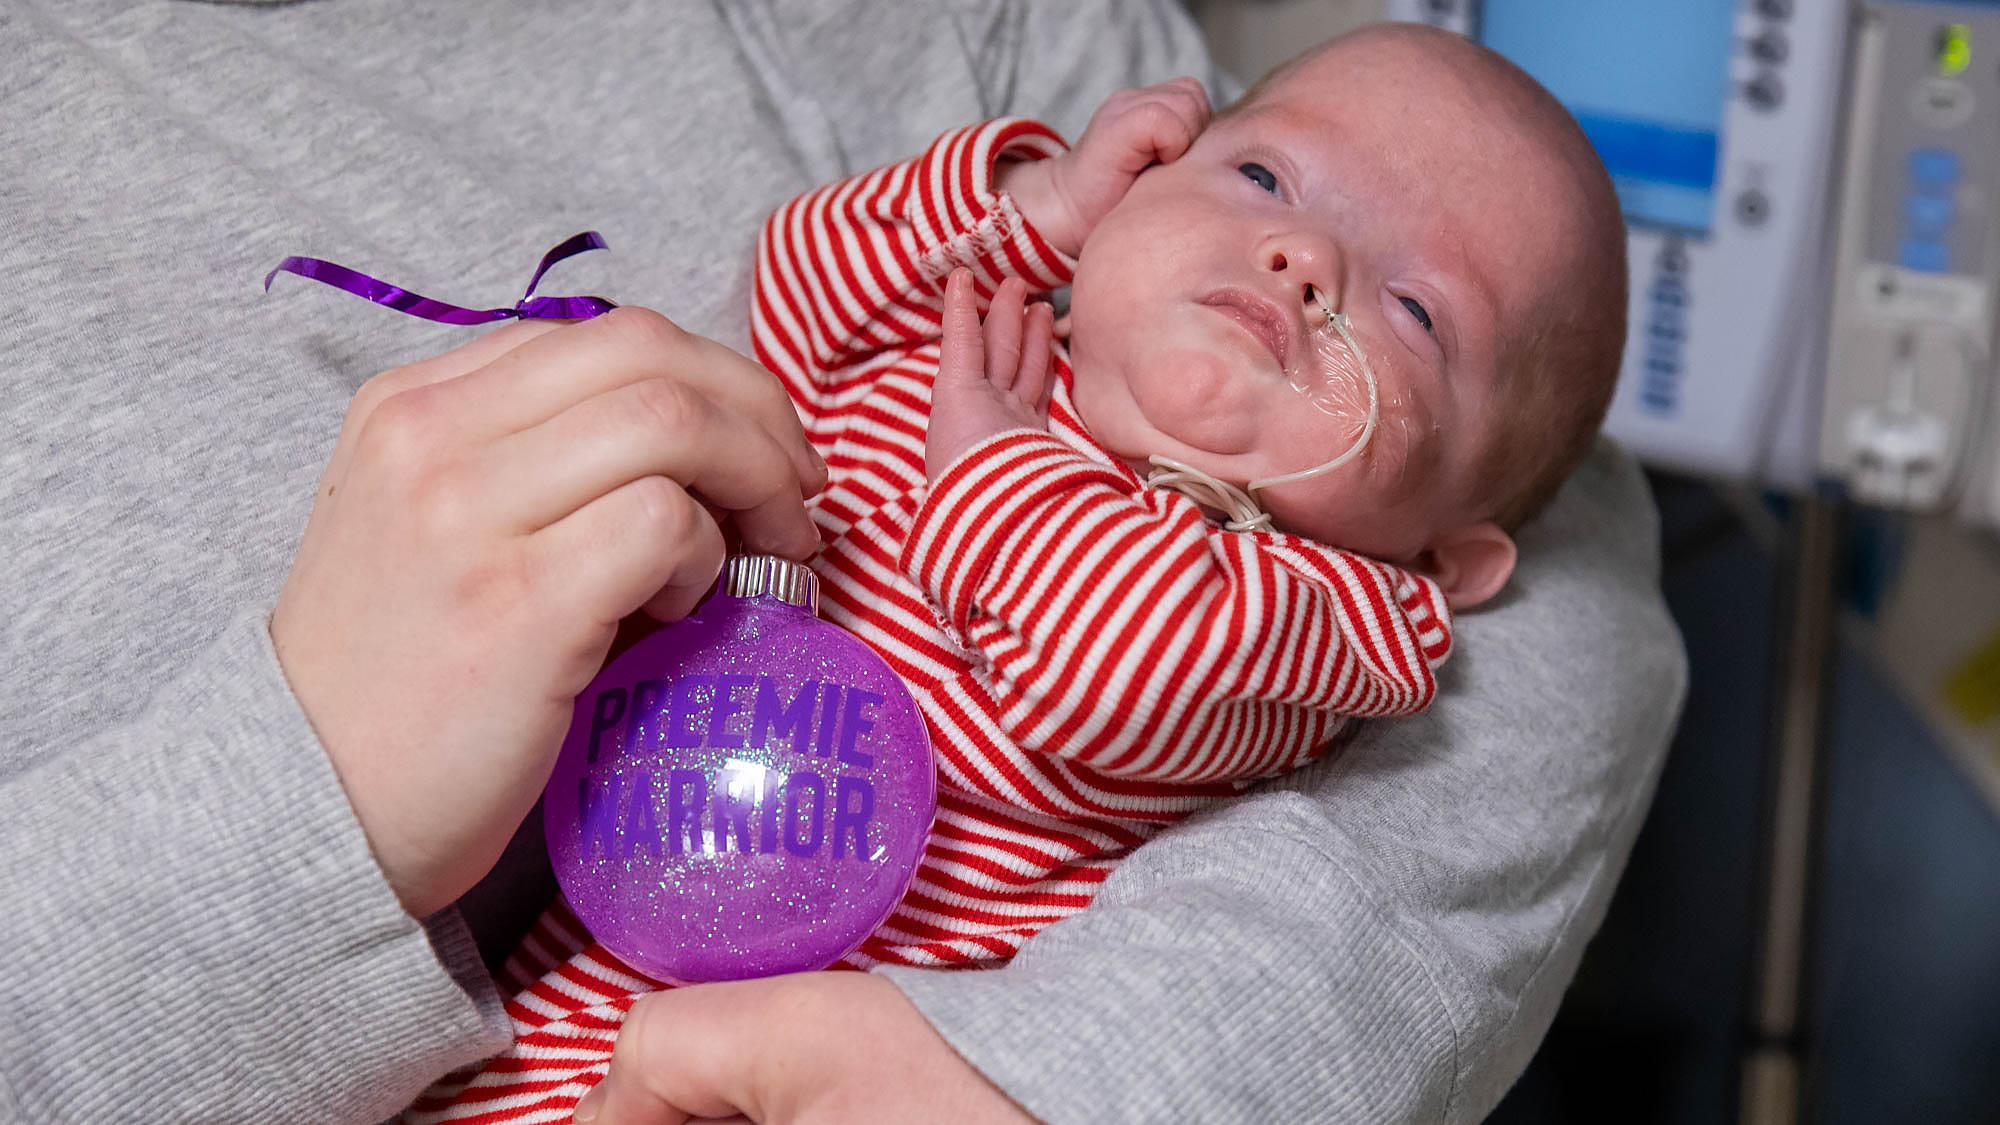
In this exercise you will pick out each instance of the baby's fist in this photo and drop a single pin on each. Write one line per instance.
(1065, 197)
(992, 377)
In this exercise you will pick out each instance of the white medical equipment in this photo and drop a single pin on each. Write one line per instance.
(1910, 356)
(1797, 314)
(1812, 189)
(1717, 121)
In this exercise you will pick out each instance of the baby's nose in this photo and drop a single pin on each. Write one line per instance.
(1310, 264)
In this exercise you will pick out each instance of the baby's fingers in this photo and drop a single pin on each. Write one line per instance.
(1003, 333)
(963, 353)
(1175, 132)
(1193, 95)
(1169, 118)
(1033, 383)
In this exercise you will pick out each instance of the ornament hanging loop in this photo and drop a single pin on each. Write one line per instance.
(529, 307)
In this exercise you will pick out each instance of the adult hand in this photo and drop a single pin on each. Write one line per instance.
(487, 518)
(806, 1049)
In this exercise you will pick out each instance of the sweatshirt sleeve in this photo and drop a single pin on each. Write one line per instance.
(1114, 627)
(857, 267)
(197, 930)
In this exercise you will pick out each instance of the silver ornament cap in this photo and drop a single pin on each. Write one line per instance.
(768, 576)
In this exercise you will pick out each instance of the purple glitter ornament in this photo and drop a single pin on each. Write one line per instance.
(744, 793)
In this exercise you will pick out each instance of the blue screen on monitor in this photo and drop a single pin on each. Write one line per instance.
(1647, 80)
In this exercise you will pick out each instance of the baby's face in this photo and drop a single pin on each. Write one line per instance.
(1381, 180)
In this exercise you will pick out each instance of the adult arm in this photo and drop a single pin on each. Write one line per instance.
(433, 632)
(195, 926)
(148, 865)
(1384, 936)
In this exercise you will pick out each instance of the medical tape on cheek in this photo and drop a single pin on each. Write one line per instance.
(1337, 380)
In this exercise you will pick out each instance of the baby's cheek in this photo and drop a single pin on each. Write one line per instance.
(1407, 451)
(1198, 397)
(1140, 378)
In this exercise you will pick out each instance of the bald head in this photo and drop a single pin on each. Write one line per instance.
(1564, 312)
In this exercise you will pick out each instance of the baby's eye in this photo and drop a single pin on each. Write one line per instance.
(1259, 175)
(1417, 311)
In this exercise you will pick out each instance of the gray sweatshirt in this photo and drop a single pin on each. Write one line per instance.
(193, 927)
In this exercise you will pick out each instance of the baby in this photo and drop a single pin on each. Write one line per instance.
(1366, 320)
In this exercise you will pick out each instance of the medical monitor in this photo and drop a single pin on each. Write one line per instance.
(1647, 79)
(1716, 121)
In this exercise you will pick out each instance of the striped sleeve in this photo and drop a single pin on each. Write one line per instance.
(1117, 628)
(857, 266)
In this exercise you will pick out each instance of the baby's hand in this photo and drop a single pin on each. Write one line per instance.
(1065, 196)
(991, 379)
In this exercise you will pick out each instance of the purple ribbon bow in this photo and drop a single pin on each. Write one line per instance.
(529, 307)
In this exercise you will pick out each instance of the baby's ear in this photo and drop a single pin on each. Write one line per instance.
(1471, 563)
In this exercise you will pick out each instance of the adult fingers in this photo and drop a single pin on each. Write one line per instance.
(467, 357)
(660, 1073)
(544, 377)
(481, 350)
(1003, 332)
(654, 427)
(647, 543)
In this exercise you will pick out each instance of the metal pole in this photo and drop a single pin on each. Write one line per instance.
(1777, 1057)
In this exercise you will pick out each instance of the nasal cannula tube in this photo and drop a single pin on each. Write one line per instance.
(1337, 322)
(1241, 509)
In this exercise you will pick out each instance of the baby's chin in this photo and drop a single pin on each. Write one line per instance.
(1185, 404)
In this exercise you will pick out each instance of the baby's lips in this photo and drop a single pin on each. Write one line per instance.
(1262, 318)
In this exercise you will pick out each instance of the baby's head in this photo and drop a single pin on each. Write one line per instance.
(1452, 210)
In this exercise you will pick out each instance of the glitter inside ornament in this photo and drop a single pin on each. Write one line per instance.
(743, 793)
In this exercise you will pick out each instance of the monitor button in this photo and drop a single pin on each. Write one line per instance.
(1753, 207)
(1941, 103)
(1770, 47)
(1924, 256)
(1934, 167)
(1765, 92)
(1929, 215)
